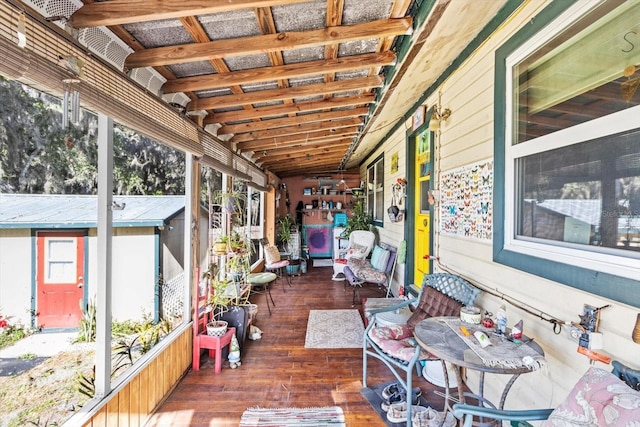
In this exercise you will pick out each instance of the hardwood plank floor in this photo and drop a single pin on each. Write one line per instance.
(277, 371)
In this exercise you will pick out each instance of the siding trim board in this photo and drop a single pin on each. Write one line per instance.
(606, 285)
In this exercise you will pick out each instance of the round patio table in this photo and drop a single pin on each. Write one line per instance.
(441, 340)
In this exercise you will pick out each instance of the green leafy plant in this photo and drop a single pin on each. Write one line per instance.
(87, 330)
(359, 219)
(285, 224)
(11, 333)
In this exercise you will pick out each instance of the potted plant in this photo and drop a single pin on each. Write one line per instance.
(359, 219)
(220, 245)
(285, 224)
(219, 301)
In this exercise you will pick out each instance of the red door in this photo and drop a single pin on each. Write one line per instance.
(60, 279)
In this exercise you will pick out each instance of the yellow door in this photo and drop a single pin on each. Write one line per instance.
(422, 215)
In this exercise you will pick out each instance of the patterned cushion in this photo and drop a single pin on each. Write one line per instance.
(598, 399)
(362, 269)
(271, 254)
(434, 303)
(355, 250)
(397, 341)
(379, 258)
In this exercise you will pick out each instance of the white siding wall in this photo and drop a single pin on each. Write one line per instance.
(391, 232)
(466, 138)
(133, 275)
(15, 283)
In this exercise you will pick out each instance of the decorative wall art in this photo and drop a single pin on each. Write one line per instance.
(466, 201)
(423, 153)
(394, 162)
(418, 117)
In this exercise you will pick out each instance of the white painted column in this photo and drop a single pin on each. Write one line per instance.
(189, 228)
(105, 231)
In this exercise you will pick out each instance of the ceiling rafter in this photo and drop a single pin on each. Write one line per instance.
(167, 55)
(298, 107)
(274, 124)
(119, 12)
(272, 95)
(297, 129)
(256, 75)
(294, 140)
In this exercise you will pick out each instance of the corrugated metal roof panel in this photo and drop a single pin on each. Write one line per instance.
(65, 211)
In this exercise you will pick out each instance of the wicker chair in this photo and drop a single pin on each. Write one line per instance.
(361, 243)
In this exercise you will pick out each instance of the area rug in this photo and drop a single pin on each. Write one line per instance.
(290, 417)
(334, 329)
(321, 262)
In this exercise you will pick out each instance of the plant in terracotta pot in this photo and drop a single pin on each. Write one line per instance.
(220, 245)
(220, 299)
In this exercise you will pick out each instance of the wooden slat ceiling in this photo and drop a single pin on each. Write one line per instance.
(287, 83)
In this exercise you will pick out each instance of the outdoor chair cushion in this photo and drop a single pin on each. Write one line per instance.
(434, 303)
(362, 269)
(397, 341)
(599, 398)
(356, 251)
(271, 254)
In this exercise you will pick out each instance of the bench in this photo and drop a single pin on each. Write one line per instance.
(377, 270)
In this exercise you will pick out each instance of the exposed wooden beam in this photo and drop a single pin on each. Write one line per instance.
(339, 144)
(298, 107)
(294, 130)
(256, 75)
(272, 95)
(118, 12)
(295, 140)
(292, 121)
(168, 55)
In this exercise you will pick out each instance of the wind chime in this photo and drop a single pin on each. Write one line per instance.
(70, 102)
(71, 95)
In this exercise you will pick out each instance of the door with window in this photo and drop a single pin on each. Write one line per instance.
(422, 214)
(59, 279)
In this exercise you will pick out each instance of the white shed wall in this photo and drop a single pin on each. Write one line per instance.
(15, 282)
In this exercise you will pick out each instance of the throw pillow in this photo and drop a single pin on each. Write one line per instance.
(434, 303)
(271, 254)
(599, 398)
(379, 258)
(356, 251)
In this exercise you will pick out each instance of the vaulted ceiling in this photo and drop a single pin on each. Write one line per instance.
(296, 86)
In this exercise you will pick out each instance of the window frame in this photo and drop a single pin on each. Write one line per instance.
(607, 275)
(376, 203)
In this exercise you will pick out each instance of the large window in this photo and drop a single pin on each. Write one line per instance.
(375, 190)
(569, 146)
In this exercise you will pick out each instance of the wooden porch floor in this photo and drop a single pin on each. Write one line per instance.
(277, 371)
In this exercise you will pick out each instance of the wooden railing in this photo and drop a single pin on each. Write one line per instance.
(137, 395)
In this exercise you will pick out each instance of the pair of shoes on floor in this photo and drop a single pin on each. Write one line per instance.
(397, 412)
(397, 388)
(431, 418)
(397, 394)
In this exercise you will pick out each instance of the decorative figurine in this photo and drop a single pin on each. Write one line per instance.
(516, 331)
(501, 320)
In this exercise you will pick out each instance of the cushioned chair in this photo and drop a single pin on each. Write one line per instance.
(273, 262)
(442, 294)
(361, 243)
(378, 270)
(598, 398)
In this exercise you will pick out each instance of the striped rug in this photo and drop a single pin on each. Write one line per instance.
(292, 417)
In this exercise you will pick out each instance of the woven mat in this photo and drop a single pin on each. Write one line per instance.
(293, 417)
(334, 329)
(501, 352)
